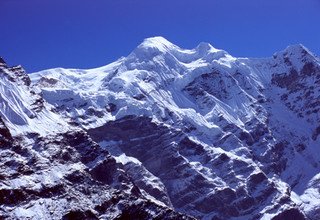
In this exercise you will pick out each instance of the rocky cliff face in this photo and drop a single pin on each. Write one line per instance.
(164, 131)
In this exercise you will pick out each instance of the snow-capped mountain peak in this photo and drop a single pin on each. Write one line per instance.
(160, 47)
(296, 56)
(158, 43)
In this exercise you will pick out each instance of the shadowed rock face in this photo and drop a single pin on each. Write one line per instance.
(302, 92)
(5, 136)
(20, 73)
(2, 62)
(290, 214)
(98, 189)
(93, 191)
(165, 153)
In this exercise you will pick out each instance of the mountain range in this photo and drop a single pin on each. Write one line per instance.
(164, 133)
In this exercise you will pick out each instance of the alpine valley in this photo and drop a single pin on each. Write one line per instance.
(164, 133)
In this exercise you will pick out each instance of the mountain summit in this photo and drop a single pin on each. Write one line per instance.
(164, 133)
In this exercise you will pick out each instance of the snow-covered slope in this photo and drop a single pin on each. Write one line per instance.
(198, 131)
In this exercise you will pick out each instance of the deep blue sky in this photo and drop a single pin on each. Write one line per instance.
(41, 34)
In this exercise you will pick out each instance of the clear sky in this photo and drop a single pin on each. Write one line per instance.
(42, 34)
